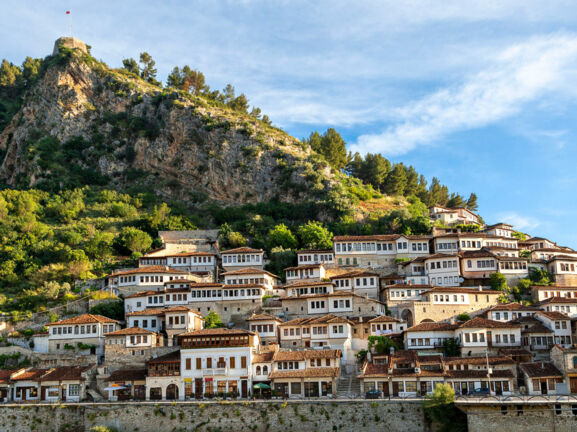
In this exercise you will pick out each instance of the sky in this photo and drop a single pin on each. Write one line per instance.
(481, 95)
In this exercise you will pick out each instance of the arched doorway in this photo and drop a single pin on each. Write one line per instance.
(407, 316)
(427, 320)
(172, 392)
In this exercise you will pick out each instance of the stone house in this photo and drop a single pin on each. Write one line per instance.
(305, 373)
(84, 333)
(341, 303)
(541, 378)
(163, 380)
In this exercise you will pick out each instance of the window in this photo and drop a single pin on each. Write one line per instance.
(198, 363)
(73, 389)
(188, 364)
(243, 362)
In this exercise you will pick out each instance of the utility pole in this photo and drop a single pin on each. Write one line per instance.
(488, 370)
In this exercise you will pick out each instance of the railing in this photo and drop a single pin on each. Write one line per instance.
(214, 371)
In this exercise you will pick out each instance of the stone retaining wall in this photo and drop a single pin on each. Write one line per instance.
(358, 416)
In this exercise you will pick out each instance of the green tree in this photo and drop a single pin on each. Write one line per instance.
(10, 74)
(455, 201)
(148, 68)
(463, 317)
(30, 69)
(331, 146)
(381, 344)
(498, 282)
(212, 320)
(134, 240)
(111, 309)
(396, 181)
(279, 259)
(174, 78)
(281, 236)
(472, 202)
(131, 66)
(452, 347)
(440, 408)
(314, 235)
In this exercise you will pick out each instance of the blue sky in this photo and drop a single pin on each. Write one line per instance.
(479, 94)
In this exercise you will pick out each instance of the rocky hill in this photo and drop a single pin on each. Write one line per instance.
(82, 122)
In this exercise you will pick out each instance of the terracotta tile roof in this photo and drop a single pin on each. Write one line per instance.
(173, 357)
(300, 355)
(480, 360)
(141, 294)
(537, 328)
(514, 307)
(477, 254)
(562, 258)
(66, 373)
(84, 319)
(129, 331)
(146, 312)
(325, 319)
(263, 317)
(310, 372)
(29, 375)
(149, 269)
(333, 294)
(380, 237)
(476, 373)
(244, 271)
(554, 287)
(459, 290)
(554, 315)
(5, 375)
(432, 326)
(354, 273)
(304, 267)
(241, 250)
(557, 300)
(265, 357)
(479, 322)
(541, 370)
(382, 370)
(384, 318)
(218, 332)
(306, 283)
(128, 375)
(179, 254)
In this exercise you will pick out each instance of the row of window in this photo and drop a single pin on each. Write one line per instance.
(443, 264)
(78, 329)
(262, 328)
(482, 263)
(300, 273)
(445, 280)
(242, 258)
(316, 258)
(192, 260)
(513, 265)
(247, 281)
(309, 290)
(210, 363)
(567, 267)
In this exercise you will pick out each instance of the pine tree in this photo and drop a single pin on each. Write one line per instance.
(472, 202)
(331, 146)
(131, 66)
(396, 182)
(9, 74)
(455, 201)
(174, 79)
(148, 70)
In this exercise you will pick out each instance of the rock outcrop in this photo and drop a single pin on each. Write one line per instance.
(84, 123)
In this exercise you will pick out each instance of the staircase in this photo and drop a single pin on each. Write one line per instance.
(348, 386)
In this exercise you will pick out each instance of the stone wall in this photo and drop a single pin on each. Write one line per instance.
(544, 417)
(359, 416)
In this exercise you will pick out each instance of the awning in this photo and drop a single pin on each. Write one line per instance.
(262, 386)
(115, 387)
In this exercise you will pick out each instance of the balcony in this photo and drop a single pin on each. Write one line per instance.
(215, 371)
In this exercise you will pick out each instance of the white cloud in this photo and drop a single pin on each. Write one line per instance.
(521, 74)
(519, 222)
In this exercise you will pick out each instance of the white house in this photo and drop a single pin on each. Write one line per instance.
(267, 327)
(541, 378)
(308, 271)
(386, 326)
(251, 276)
(560, 304)
(142, 278)
(234, 259)
(323, 256)
(194, 262)
(217, 361)
(84, 333)
(362, 282)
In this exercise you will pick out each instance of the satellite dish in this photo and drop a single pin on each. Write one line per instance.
(461, 280)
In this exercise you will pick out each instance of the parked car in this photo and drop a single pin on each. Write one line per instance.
(373, 394)
(483, 391)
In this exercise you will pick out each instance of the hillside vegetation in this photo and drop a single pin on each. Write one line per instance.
(96, 160)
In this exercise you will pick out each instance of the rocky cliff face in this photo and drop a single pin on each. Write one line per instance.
(83, 123)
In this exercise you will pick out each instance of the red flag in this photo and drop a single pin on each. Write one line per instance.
(67, 12)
